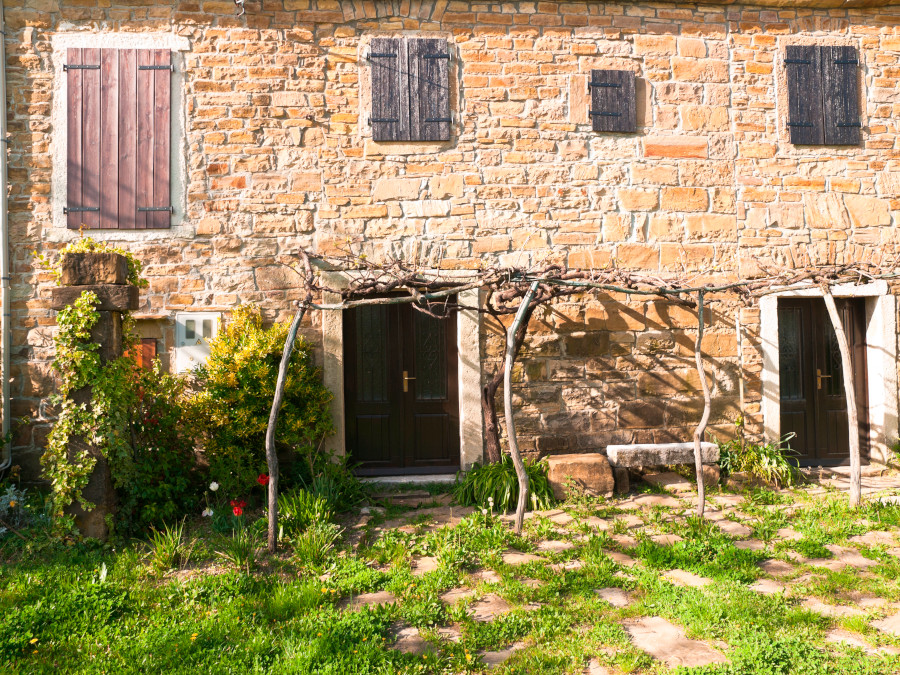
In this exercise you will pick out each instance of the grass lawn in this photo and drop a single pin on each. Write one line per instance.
(530, 604)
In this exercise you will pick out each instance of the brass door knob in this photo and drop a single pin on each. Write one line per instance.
(820, 377)
(406, 379)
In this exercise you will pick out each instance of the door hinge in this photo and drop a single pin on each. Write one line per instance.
(169, 67)
(80, 67)
(144, 209)
(605, 114)
(80, 209)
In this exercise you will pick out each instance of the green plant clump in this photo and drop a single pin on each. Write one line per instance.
(231, 412)
(497, 484)
(768, 462)
(298, 509)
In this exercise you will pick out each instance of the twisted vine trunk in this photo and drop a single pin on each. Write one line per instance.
(521, 474)
(489, 395)
(271, 454)
(707, 405)
(852, 416)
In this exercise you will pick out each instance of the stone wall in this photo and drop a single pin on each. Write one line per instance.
(276, 154)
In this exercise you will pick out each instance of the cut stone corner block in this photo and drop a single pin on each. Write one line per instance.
(591, 471)
(660, 454)
(85, 269)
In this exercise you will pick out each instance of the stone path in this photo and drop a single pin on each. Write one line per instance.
(366, 599)
(517, 558)
(409, 641)
(617, 597)
(777, 568)
(686, 579)
(501, 656)
(667, 642)
(890, 624)
(489, 608)
(669, 480)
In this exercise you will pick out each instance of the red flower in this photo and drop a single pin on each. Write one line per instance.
(240, 503)
(238, 511)
(263, 479)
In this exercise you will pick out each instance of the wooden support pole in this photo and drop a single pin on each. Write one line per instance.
(707, 405)
(508, 410)
(850, 392)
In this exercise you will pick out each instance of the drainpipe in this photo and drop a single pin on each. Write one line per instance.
(6, 318)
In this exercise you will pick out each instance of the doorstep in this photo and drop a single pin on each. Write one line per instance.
(420, 479)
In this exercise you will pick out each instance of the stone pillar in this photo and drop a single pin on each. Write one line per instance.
(106, 274)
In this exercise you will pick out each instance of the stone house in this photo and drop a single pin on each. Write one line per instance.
(704, 138)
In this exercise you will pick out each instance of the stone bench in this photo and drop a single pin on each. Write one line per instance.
(624, 457)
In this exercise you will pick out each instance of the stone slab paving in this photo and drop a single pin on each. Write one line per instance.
(562, 518)
(665, 539)
(667, 642)
(787, 533)
(733, 528)
(624, 540)
(889, 624)
(567, 566)
(777, 568)
(669, 480)
(488, 576)
(498, 658)
(454, 595)
(518, 558)
(686, 579)
(831, 611)
(621, 558)
(840, 636)
(555, 546)
(617, 597)
(594, 668)
(489, 608)
(875, 538)
(851, 557)
(768, 587)
(366, 599)
(451, 633)
(750, 545)
(409, 641)
(596, 523)
(424, 565)
(728, 499)
(667, 501)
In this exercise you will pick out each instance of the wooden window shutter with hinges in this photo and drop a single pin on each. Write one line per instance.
(119, 138)
(613, 101)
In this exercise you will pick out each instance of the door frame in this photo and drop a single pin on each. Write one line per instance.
(468, 349)
(881, 361)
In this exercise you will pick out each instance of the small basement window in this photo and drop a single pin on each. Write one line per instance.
(823, 95)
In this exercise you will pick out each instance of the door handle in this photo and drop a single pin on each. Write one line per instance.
(406, 379)
(820, 377)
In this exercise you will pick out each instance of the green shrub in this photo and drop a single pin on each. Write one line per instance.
(168, 548)
(231, 411)
(240, 549)
(159, 480)
(497, 485)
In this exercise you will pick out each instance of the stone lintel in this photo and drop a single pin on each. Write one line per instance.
(112, 298)
(660, 454)
(86, 269)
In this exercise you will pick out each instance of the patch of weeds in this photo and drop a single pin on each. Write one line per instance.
(315, 545)
(539, 527)
(168, 548)
(811, 548)
(240, 549)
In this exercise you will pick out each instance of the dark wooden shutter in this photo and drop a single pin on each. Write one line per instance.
(840, 78)
(390, 96)
(804, 79)
(429, 85)
(613, 101)
(119, 136)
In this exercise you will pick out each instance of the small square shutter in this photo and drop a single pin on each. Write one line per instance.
(805, 114)
(840, 77)
(429, 83)
(390, 97)
(613, 101)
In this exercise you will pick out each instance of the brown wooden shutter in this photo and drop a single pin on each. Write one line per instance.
(390, 95)
(613, 101)
(840, 78)
(804, 79)
(119, 135)
(143, 352)
(83, 129)
(429, 85)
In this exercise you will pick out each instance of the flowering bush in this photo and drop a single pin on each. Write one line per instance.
(231, 412)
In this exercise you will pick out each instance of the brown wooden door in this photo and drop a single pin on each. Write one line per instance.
(813, 401)
(400, 388)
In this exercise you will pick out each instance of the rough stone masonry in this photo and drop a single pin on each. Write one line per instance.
(273, 155)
